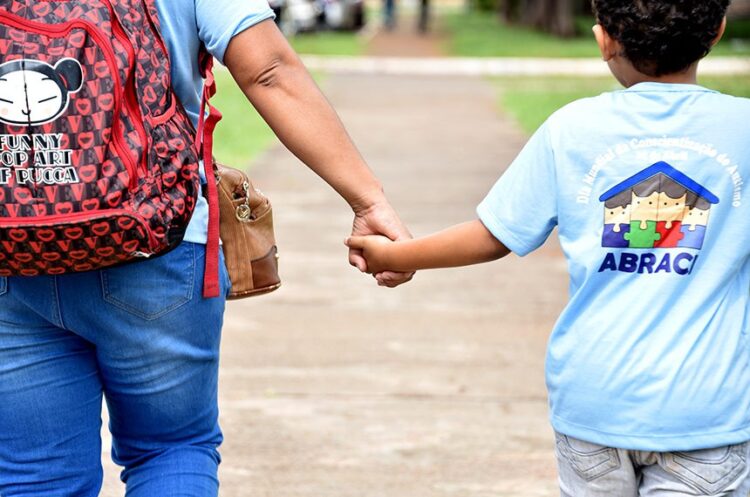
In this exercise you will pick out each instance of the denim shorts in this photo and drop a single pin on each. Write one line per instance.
(591, 470)
(140, 336)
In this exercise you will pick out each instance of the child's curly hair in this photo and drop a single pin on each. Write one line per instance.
(662, 36)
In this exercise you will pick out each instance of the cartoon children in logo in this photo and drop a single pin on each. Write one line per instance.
(657, 208)
(696, 220)
(34, 92)
(617, 216)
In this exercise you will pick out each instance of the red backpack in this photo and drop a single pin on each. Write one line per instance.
(98, 159)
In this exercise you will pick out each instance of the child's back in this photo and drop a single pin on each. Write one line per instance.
(646, 187)
(649, 365)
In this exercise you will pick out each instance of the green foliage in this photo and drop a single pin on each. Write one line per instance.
(532, 100)
(485, 5)
(482, 34)
(584, 25)
(737, 86)
(242, 134)
(738, 28)
(478, 34)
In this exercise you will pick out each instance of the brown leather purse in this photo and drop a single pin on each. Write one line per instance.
(247, 235)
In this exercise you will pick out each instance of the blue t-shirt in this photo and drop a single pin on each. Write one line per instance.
(647, 189)
(185, 25)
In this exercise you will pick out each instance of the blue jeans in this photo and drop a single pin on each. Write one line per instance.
(142, 337)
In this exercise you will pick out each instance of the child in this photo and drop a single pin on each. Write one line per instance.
(648, 367)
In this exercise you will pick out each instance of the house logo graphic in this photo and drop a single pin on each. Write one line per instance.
(659, 207)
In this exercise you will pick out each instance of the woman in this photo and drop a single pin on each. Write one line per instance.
(142, 334)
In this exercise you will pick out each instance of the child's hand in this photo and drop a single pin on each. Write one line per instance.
(374, 249)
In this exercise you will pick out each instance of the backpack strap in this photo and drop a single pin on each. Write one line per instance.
(205, 141)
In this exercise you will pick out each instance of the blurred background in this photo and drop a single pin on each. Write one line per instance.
(333, 387)
(449, 29)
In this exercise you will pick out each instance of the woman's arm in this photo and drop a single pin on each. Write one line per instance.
(460, 245)
(279, 86)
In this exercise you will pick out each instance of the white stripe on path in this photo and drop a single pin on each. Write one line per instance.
(465, 66)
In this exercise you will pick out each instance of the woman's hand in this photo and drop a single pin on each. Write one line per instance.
(379, 219)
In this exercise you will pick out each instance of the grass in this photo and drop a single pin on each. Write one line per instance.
(532, 100)
(737, 86)
(481, 34)
(242, 134)
(328, 43)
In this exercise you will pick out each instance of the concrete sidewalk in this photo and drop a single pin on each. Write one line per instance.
(333, 387)
(489, 66)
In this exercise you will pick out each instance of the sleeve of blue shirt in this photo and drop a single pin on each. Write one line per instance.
(220, 20)
(521, 209)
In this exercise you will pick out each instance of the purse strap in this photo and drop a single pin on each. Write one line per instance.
(205, 140)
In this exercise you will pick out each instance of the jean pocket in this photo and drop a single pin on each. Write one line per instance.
(709, 470)
(3, 285)
(152, 288)
(590, 461)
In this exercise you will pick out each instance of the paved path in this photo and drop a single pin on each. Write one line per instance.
(405, 42)
(409, 65)
(333, 387)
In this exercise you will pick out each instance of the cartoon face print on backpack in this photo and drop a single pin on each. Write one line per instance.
(34, 92)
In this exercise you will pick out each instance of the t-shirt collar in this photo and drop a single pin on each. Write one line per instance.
(653, 86)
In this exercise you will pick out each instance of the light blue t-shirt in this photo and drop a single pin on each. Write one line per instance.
(647, 189)
(185, 24)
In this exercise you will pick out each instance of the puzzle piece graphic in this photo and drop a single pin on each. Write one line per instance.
(645, 210)
(695, 216)
(642, 238)
(694, 235)
(671, 209)
(614, 235)
(670, 237)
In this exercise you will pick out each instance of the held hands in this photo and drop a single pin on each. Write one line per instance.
(373, 249)
(378, 219)
(464, 244)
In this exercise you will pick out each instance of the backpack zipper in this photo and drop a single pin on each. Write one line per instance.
(131, 98)
(159, 39)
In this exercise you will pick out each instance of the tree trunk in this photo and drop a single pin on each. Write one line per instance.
(508, 10)
(739, 9)
(551, 16)
(584, 7)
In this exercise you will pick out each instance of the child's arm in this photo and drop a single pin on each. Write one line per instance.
(461, 245)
